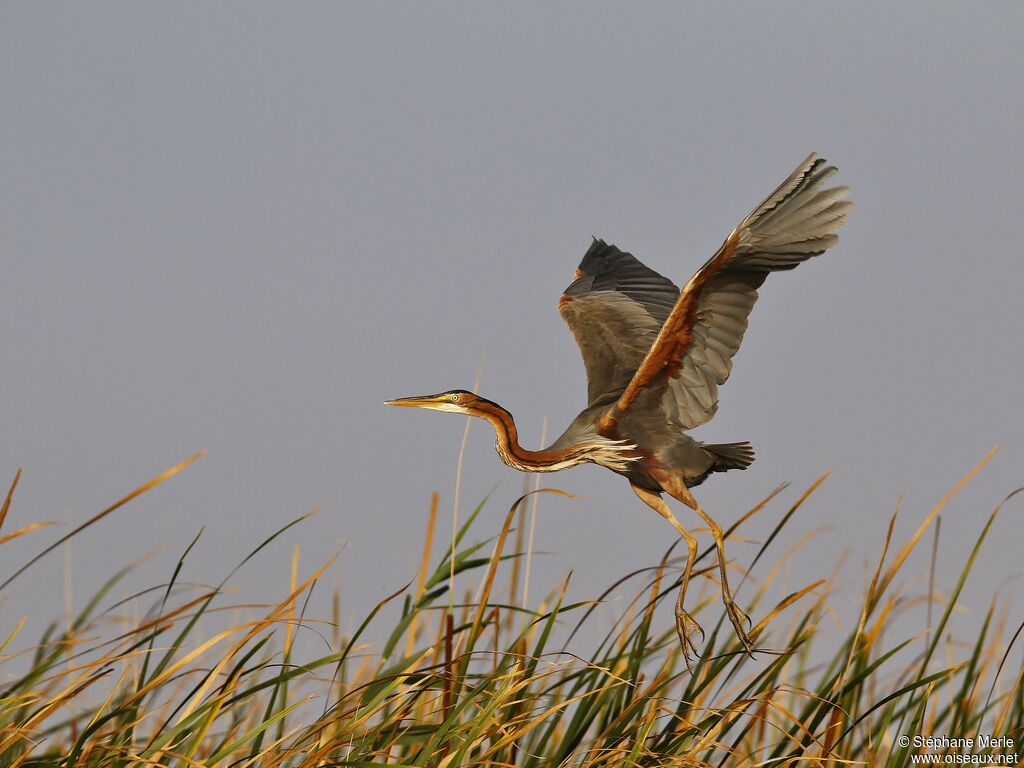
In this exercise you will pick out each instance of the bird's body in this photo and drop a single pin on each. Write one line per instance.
(655, 356)
(666, 449)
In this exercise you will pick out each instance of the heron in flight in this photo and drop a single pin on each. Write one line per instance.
(655, 357)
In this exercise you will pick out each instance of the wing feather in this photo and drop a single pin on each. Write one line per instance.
(614, 308)
(692, 353)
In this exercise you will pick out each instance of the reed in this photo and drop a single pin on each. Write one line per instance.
(495, 680)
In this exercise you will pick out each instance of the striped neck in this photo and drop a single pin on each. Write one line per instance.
(600, 450)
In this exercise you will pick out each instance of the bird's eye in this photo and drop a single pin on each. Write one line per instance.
(454, 398)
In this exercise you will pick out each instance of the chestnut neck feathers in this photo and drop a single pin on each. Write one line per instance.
(586, 447)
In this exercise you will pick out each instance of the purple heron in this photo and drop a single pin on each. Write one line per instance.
(655, 356)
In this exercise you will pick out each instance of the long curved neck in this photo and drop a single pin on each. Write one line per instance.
(614, 454)
(512, 453)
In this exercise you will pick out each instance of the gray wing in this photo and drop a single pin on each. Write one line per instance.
(693, 352)
(614, 307)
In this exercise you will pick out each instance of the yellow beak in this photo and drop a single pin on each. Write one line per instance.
(423, 401)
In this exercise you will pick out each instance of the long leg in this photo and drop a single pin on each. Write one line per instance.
(736, 616)
(686, 626)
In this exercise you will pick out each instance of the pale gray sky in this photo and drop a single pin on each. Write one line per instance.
(242, 226)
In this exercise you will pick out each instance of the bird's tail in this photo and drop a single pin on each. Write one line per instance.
(730, 455)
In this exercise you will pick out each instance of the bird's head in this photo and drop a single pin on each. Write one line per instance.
(453, 401)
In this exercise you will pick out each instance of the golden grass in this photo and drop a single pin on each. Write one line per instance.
(502, 683)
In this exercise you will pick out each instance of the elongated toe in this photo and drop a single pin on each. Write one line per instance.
(687, 628)
(737, 618)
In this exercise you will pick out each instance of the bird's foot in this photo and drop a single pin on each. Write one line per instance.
(737, 618)
(687, 627)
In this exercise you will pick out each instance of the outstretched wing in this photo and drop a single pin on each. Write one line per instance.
(693, 351)
(614, 308)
